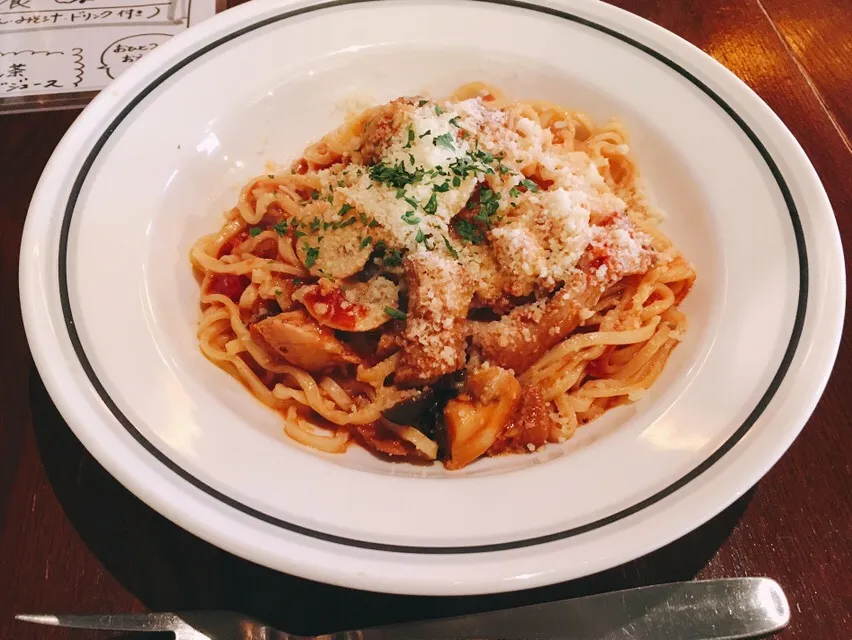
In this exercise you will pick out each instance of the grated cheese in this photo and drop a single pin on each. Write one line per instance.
(430, 162)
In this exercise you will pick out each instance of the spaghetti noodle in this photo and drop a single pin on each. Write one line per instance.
(445, 280)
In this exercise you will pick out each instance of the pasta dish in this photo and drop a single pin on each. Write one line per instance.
(445, 280)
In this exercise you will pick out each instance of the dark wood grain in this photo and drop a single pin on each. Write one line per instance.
(72, 539)
(819, 36)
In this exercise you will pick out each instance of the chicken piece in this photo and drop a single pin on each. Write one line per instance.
(475, 418)
(539, 244)
(390, 341)
(385, 122)
(434, 338)
(522, 336)
(529, 427)
(358, 307)
(300, 341)
(488, 283)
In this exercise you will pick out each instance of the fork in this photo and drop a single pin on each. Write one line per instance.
(724, 609)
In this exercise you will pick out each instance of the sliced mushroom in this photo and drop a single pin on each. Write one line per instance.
(340, 253)
(297, 338)
(353, 307)
(474, 419)
(528, 428)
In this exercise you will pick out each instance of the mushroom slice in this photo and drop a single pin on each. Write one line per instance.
(337, 251)
(475, 418)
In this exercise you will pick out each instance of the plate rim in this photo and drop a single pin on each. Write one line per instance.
(179, 61)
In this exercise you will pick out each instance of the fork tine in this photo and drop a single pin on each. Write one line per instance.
(119, 622)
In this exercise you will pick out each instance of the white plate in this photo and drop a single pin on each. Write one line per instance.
(157, 157)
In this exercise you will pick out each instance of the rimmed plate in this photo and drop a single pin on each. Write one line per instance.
(110, 304)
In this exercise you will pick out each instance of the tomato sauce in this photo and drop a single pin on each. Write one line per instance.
(340, 312)
(229, 285)
(236, 241)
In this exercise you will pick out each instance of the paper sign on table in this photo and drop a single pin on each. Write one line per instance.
(56, 53)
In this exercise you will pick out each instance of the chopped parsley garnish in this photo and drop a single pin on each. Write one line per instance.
(483, 156)
(450, 248)
(330, 198)
(441, 188)
(456, 181)
(410, 138)
(412, 202)
(351, 220)
(363, 218)
(396, 314)
(422, 102)
(311, 255)
(299, 234)
(503, 169)
(270, 176)
(529, 184)
(315, 225)
(409, 218)
(514, 193)
(438, 110)
(454, 121)
(432, 206)
(394, 175)
(468, 231)
(344, 209)
(366, 241)
(281, 227)
(444, 140)
(463, 166)
(373, 223)
(400, 193)
(255, 231)
(393, 258)
(412, 160)
(315, 195)
(420, 237)
(278, 292)
(489, 202)
(428, 133)
(340, 183)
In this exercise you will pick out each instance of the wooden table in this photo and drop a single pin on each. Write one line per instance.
(74, 540)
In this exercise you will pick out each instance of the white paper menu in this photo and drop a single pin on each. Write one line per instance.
(59, 53)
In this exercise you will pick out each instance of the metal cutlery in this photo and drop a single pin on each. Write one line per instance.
(701, 610)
